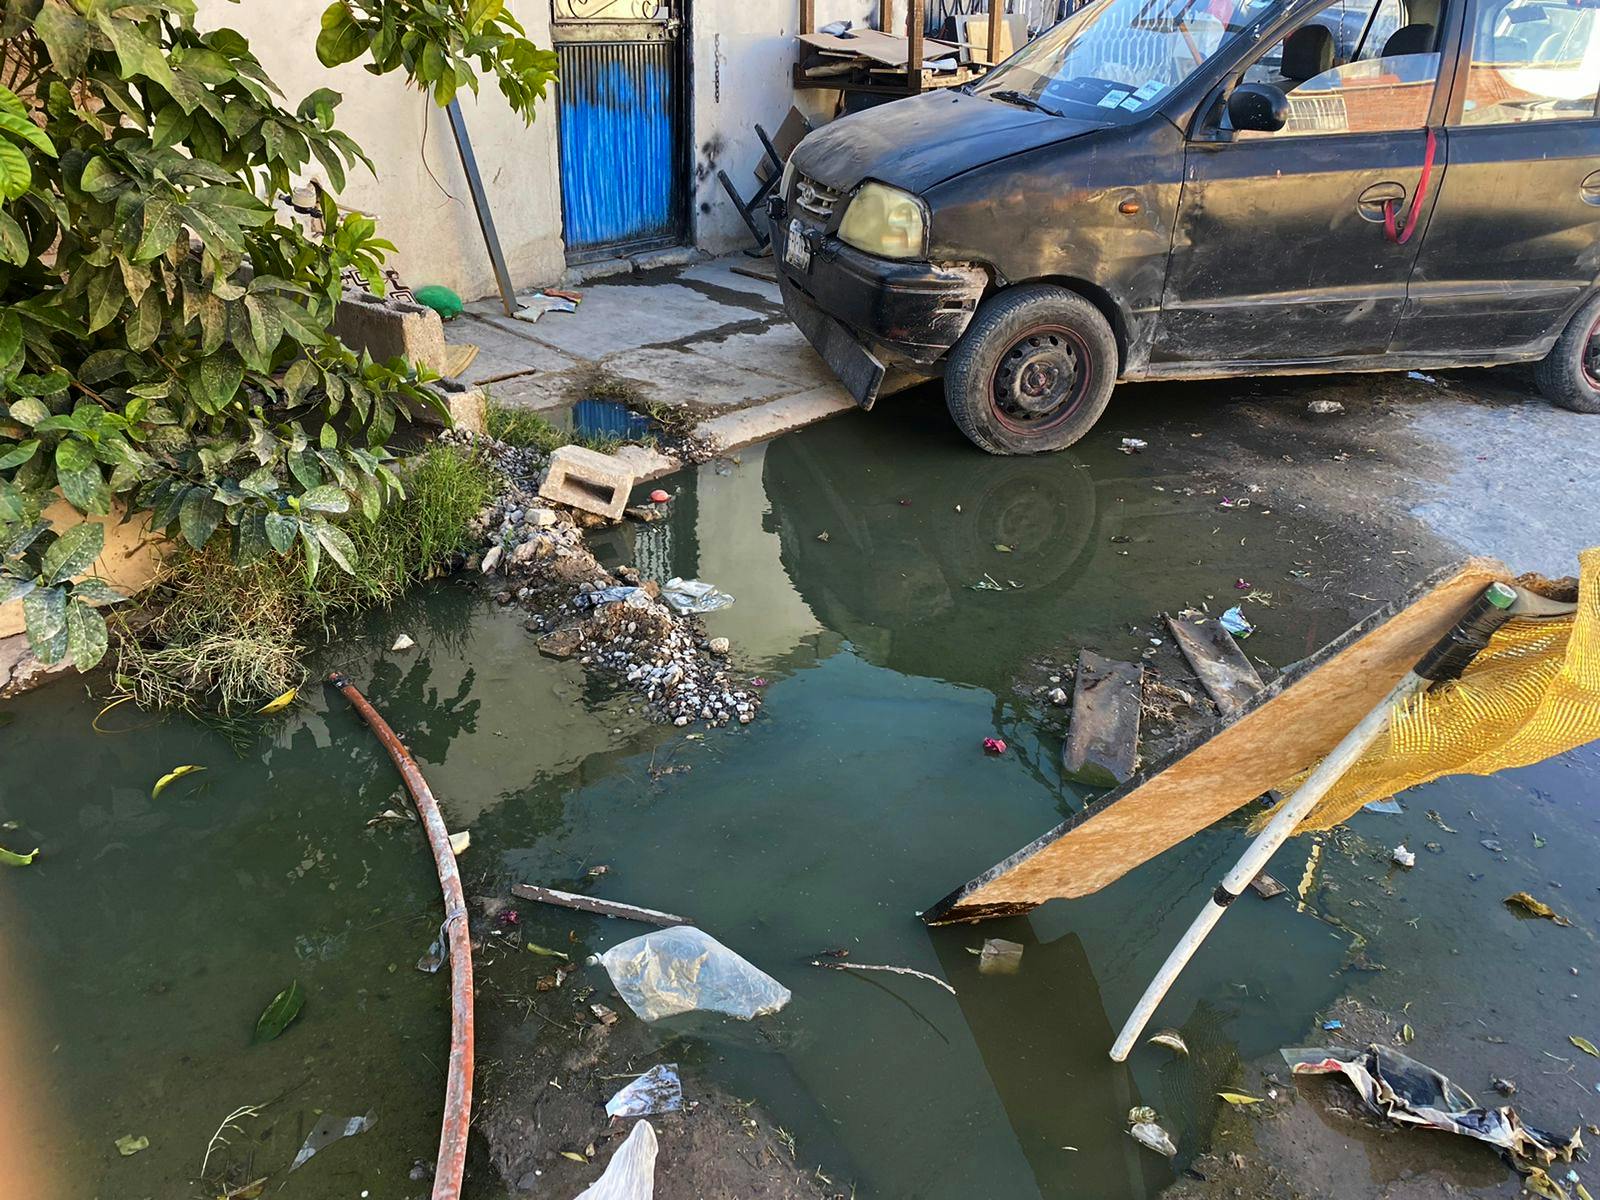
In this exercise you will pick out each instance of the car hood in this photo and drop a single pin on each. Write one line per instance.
(923, 140)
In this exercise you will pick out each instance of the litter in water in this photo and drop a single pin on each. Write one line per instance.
(658, 1090)
(660, 496)
(1535, 908)
(684, 969)
(1172, 1040)
(994, 745)
(1145, 1128)
(694, 596)
(631, 1173)
(1133, 445)
(1324, 408)
(1411, 1093)
(1401, 857)
(328, 1131)
(1000, 957)
(1390, 807)
(128, 1145)
(404, 642)
(1235, 623)
(844, 966)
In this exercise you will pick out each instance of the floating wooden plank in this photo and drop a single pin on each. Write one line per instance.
(1292, 723)
(1103, 744)
(1227, 675)
(606, 908)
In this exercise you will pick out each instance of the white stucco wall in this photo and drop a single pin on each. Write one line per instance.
(743, 62)
(740, 73)
(420, 196)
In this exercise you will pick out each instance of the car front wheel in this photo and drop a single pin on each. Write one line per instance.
(1033, 372)
(1570, 373)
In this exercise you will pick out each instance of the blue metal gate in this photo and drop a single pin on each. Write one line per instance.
(621, 125)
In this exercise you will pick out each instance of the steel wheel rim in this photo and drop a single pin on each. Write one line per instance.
(1041, 379)
(1589, 360)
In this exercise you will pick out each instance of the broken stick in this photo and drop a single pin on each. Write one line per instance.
(606, 908)
(847, 966)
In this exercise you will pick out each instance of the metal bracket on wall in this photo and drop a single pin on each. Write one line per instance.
(480, 202)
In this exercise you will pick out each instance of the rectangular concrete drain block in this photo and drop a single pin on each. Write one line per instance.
(587, 479)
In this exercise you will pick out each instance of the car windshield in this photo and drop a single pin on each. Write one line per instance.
(1115, 58)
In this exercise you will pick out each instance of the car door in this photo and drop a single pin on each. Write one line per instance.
(1280, 252)
(1514, 241)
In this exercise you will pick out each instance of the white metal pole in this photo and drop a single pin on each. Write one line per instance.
(1446, 660)
(1282, 826)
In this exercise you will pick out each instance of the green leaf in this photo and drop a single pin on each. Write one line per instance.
(199, 517)
(231, 204)
(281, 530)
(144, 326)
(172, 777)
(9, 858)
(18, 454)
(1239, 1099)
(171, 126)
(94, 590)
(338, 545)
(308, 539)
(250, 537)
(266, 327)
(45, 612)
(81, 480)
(218, 380)
(66, 35)
(13, 242)
(100, 178)
(29, 132)
(28, 410)
(73, 552)
(280, 1014)
(325, 499)
(106, 297)
(87, 638)
(10, 335)
(15, 174)
(162, 222)
(341, 39)
(137, 54)
(1585, 1045)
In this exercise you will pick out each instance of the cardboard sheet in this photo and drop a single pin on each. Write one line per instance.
(880, 47)
(1290, 725)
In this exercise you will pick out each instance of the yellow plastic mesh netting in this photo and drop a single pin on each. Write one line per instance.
(1532, 693)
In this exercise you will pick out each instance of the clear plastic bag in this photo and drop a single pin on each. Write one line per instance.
(631, 1173)
(684, 969)
(658, 1090)
(694, 595)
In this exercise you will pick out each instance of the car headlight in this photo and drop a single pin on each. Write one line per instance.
(787, 181)
(885, 221)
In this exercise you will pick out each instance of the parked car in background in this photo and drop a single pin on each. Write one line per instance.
(1179, 189)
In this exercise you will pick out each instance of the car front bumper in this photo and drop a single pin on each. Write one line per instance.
(864, 314)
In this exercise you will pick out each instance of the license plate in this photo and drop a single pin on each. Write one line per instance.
(795, 251)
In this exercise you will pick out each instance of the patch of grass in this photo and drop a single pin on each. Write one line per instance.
(523, 427)
(224, 638)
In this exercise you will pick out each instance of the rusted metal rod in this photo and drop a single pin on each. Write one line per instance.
(458, 1085)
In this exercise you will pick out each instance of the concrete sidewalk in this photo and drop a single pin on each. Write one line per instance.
(703, 337)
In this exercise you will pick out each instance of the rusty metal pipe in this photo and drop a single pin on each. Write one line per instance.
(458, 1085)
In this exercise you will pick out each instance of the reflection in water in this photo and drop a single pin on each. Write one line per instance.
(141, 948)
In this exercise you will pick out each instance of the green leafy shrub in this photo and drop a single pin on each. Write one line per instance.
(225, 636)
(164, 338)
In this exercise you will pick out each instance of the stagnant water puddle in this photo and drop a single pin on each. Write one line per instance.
(141, 947)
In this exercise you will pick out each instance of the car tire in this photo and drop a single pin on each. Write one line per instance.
(1033, 372)
(1570, 374)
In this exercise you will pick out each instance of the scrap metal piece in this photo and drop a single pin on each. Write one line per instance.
(1102, 745)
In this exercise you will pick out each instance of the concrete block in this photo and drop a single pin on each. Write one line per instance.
(20, 671)
(389, 328)
(587, 480)
(468, 405)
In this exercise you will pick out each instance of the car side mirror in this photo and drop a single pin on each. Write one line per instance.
(1259, 107)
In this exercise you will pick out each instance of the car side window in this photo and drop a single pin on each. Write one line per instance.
(1532, 60)
(1357, 70)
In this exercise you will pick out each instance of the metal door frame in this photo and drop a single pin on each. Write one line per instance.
(575, 21)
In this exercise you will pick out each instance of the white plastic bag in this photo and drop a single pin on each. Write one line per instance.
(658, 1090)
(694, 595)
(684, 969)
(631, 1173)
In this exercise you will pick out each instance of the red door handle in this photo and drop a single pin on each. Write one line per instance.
(1391, 229)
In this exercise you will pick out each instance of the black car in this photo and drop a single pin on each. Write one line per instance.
(1183, 189)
